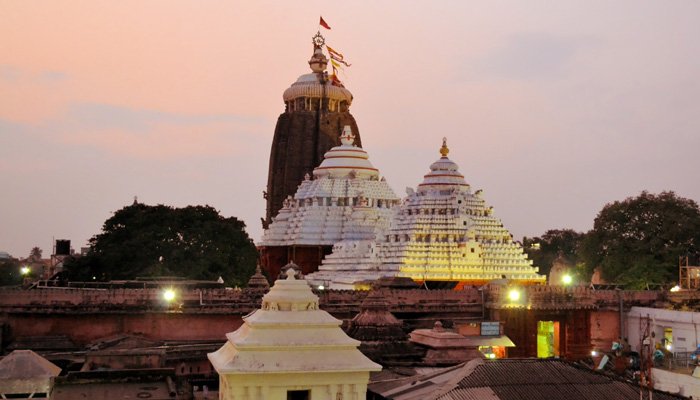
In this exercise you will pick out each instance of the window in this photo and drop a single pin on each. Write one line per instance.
(298, 394)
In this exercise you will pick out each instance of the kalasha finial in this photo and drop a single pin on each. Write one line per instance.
(444, 150)
(347, 138)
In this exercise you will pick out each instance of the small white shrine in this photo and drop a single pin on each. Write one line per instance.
(346, 200)
(290, 349)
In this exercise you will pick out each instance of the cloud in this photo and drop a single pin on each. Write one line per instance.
(143, 133)
(98, 115)
(13, 74)
(53, 76)
(531, 56)
(9, 73)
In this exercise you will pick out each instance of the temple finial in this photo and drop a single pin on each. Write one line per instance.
(318, 61)
(347, 138)
(444, 150)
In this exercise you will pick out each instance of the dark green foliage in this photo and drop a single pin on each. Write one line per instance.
(638, 241)
(551, 244)
(194, 242)
(9, 272)
(35, 253)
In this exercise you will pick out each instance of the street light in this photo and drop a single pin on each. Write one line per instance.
(514, 295)
(25, 270)
(567, 279)
(169, 295)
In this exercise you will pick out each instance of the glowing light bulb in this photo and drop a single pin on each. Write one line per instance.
(567, 279)
(25, 270)
(169, 295)
(514, 295)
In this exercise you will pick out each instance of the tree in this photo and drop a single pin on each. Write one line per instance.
(194, 242)
(35, 253)
(543, 250)
(10, 272)
(638, 241)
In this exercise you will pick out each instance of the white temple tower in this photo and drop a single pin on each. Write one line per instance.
(442, 233)
(346, 200)
(291, 349)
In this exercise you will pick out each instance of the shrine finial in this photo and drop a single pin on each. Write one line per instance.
(444, 150)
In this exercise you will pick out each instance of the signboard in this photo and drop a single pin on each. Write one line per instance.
(492, 328)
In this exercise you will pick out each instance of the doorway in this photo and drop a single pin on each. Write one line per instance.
(548, 336)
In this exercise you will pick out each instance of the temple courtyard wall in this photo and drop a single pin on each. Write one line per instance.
(588, 319)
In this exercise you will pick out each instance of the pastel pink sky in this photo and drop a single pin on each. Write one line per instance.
(554, 108)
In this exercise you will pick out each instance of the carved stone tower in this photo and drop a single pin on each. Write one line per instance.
(316, 109)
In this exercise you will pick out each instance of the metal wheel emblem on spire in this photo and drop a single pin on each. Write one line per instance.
(318, 40)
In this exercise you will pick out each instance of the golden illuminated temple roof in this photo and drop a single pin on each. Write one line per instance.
(441, 232)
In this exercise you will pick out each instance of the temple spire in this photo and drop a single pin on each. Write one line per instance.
(444, 150)
(318, 61)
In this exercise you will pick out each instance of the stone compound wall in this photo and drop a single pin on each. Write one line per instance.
(85, 315)
(86, 328)
(605, 329)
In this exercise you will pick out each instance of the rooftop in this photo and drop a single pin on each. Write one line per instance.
(513, 379)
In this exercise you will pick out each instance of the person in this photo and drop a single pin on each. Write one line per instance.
(658, 356)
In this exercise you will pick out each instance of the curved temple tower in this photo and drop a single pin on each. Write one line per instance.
(316, 109)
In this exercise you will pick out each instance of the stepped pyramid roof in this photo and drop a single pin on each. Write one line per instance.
(441, 232)
(290, 334)
(346, 200)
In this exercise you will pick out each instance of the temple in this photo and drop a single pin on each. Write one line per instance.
(316, 109)
(344, 201)
(442, 234)
(291, 349)
(330, 212)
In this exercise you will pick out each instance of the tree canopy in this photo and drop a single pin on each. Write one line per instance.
(10, 272)
(35, 253)
(543, 250)
(193, 242)
(638, 241)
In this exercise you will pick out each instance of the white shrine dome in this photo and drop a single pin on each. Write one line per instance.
(341, 161)
(444, 173)
(309, 85)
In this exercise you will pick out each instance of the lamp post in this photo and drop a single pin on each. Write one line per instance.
(169, 295)
(567, 280)
(514, 295)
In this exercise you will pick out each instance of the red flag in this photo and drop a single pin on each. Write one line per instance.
(323, 23)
